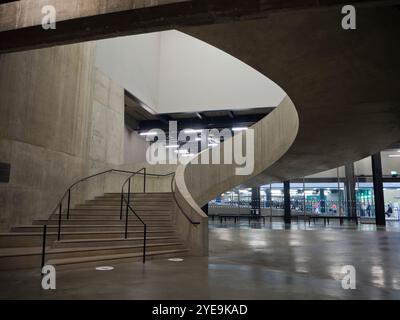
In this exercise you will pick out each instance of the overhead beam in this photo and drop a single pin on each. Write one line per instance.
(206, 123)
(84, 20)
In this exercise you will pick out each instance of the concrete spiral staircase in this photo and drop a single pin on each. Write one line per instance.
(94, 234)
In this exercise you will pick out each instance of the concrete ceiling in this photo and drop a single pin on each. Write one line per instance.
(78, 21)
(344, 83)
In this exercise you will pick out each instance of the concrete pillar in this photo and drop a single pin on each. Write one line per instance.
(268, 197)
(255, 200)
(378, 190)
(322, 200)
(286, 195)
(350, 190)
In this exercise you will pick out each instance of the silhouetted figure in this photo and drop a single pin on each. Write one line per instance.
(389, 211)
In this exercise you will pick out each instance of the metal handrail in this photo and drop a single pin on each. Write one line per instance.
(128, 204)
(59, 206)
(128, 180)
(144, 189)
(129, 207)
(144, 225)
(68, 192)
(43, 245)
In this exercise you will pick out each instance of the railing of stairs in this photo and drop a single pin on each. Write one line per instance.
(129, 208)
(124, 201)
(67, 196)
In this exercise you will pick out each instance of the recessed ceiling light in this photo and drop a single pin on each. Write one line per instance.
(239, 129)
(148, 133)
(172, 146)
(394, 155)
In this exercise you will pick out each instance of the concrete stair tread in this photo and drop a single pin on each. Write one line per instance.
(20, 251)
(141, 193)
(111, 257)
(96, 219)
(25, 251)
(144, 200)
(112, 239)
(66, 250)
(73, 232)
(55, 226)
(115, 208)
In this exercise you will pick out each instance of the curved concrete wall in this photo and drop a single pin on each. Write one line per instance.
(196, 184)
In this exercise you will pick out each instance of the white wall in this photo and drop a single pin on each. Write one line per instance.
(133, 63)
(196, 76)
(173, 72)
(134, 147)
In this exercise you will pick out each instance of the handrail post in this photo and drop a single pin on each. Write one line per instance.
(129, 195)
(59, 222)
(144, 181)
(69, 202)
(122, 203)
(43, 246)
(144, 243)
(126, 222)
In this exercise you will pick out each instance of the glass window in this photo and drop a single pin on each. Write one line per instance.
(391, 193)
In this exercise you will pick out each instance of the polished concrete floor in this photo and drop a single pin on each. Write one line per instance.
(256, 262)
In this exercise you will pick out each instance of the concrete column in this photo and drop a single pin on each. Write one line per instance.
(255, 200)
(322, 200)
(286, 195)
(378, 190)
(350, 190)
(268, 197)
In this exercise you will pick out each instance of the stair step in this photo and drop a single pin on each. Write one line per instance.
(28, 251)
(118, 208)
(134, 200)
(31, 257)
(31, 239)
(140, 194)
(111, 215)
(107, 220)
(111, 212)
(108, 241)
(91, 261)
(20, 251)
(87, 227)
